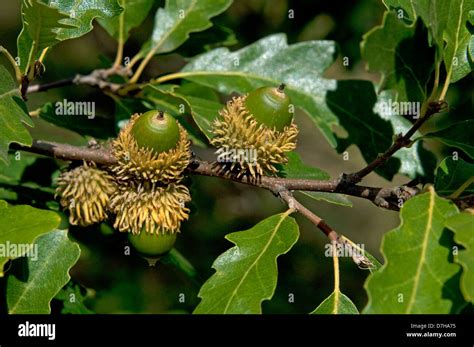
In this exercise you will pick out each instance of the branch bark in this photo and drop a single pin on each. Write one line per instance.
(97, 78)
(286, 196)
(388, 198)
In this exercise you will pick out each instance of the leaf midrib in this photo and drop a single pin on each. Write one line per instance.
(456, 41)
(336, 302)
(424, 246)
(277, 227)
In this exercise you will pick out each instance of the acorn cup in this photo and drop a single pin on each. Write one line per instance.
(152, 152)
(150, 209)
(85, 191)
(254, 133)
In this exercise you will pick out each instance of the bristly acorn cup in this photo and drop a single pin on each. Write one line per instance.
(85, 191)
(261, 124)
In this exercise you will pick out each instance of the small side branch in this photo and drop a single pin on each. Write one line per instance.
(400, 142)
(286, 196)
(97, 78)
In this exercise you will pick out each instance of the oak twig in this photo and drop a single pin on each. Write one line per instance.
(388, 198)
(288, 197)
(97, 78)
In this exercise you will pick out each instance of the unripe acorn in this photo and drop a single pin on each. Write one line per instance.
(270, 106)
(254, 132)
(152, 245)
(151, 148)
(156, 130)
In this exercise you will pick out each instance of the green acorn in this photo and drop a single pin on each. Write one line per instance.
(151, 148)
(85, 191)
(152, 245)
(254, 133)
(156, 130)
(270, 106)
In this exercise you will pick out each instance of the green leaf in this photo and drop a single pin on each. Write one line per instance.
(13, 115)
(33, 284)
(457, 36)
(204, 112)
(462, 225)
(198, 91)
(418, 276)
(247, 273)
(11, 173)
(409, 13)
(446, 22)
(41, 24)
(336, 303)
(402, 55)
(205, 105)
(271, 61)
(471, 41)
(333, 198)
(452, 174)
(179, 18)
(457, 135)
(133, 14)
(81, 14)
(21, 225)
(73, 297)
(204, 41)
(99, 127)
(163, 96)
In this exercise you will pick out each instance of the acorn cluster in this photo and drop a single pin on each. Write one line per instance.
(143, 191)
